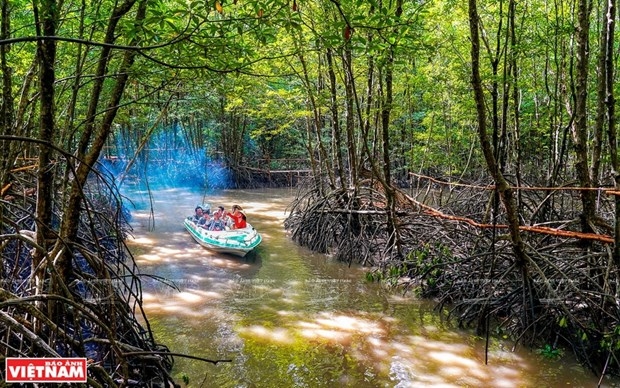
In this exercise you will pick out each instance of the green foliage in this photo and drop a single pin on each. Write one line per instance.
(374, 276)
(248, 55)
(549, 352)
(611, 340)
(563, 322)
(423, 265)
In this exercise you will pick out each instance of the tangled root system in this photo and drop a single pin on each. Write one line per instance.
(450, 244)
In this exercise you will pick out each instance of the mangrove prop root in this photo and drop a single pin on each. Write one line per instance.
(454, 249)
(97, 313)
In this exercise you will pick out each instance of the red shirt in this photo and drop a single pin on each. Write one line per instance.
(238, 219)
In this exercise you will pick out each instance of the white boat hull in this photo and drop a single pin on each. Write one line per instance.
(238, 242)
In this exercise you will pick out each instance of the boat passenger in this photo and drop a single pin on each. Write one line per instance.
(244, 222)
(197, 214)
(217, 222)
(205, 221)
(238, 217)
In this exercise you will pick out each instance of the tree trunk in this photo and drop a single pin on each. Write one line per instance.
(100, 77)
(580, 125)
(335, 117)
(386, 110)
(71, 220)
(349, 85)
(514, 75)
(504, 190)
(315, 123)
(46, 56)
(606, 84)
(6, 104)
(605, 71)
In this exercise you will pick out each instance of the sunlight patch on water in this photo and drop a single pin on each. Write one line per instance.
(407, 360)
(338, 328)
(411, 360)
(141, 216)
(188, 302)
(230, 264)
(150, 258)
(183, 312)
(325, 327)
(163, 254)
(172, 252)
(148, 297)
(264, 208)
(198, 296)
(277, 335)
(402, 348)
(277, 215)
(350, 324)
(143, 241)
(441, 363)
(451, 357)
(334, 336)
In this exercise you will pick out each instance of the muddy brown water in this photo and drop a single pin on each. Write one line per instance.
(287, 317)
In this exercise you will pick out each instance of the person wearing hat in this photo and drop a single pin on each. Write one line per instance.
(238, 217)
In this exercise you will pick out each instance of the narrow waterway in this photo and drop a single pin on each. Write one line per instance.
(286, 317)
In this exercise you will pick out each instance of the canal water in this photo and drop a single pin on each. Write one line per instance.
(286, 317)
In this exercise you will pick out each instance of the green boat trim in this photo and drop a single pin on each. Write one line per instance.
(237, 242)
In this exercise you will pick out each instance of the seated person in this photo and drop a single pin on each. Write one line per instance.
(197, 214)
(217, 222)
(243, 223)
(205, 221)
(219, 213)
(238, 217)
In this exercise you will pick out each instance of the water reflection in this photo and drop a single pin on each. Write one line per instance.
(290, 318)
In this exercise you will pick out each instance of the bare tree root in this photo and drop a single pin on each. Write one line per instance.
(339, 222)
(244, 177)
(98, 314)
(568, 287)
(565, 294)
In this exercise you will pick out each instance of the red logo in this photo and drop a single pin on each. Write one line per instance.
(43, 370)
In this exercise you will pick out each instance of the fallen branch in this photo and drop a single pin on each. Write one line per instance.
(148, 353)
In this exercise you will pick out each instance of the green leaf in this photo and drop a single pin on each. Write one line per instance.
(563, 322)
